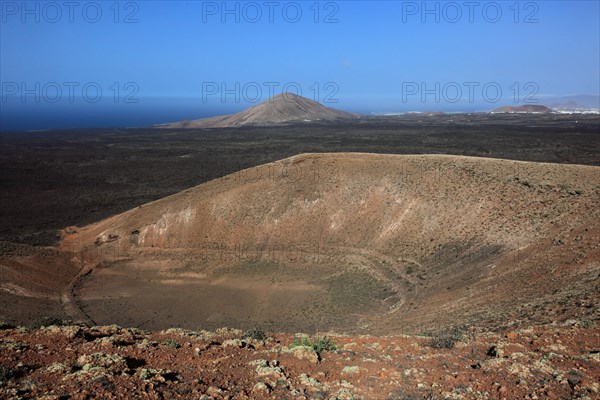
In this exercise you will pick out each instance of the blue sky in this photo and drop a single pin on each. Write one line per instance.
(179, 60)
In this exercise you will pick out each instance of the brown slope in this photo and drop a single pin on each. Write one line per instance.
(283, 108)
(376, 243)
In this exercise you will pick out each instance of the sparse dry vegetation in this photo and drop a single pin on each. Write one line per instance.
(447, 339)
(318, 343)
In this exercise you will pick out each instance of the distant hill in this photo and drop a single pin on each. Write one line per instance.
(585, 101)
(527, 108)
(280, 109)
(573, 107)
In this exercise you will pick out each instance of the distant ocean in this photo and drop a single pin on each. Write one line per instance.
(16, 115)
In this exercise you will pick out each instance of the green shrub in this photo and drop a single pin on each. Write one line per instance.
(447, 340)
(172, 343)
(256, 334)
(588, 323)
(443, 342)
(318, 344)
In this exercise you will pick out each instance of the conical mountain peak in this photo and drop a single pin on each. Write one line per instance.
(280, 109)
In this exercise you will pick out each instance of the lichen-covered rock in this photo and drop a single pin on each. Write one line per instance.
(112, 363)
(179, 332)
(107, 330)
(271, 369)
(234, 343)
(306, 353)
(57, 367)
(145, 344)
(308, 381)
(156, 375)
(13, 345)
(70, 331)
(260, 387)
(351, 370)
(229, 333)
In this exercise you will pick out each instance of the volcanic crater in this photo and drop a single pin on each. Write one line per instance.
(351, 242)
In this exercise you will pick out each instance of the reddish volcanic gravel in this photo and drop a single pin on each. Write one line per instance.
(110, 362)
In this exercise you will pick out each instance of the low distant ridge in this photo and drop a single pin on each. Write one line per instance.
(572, 107)
(527, 108)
